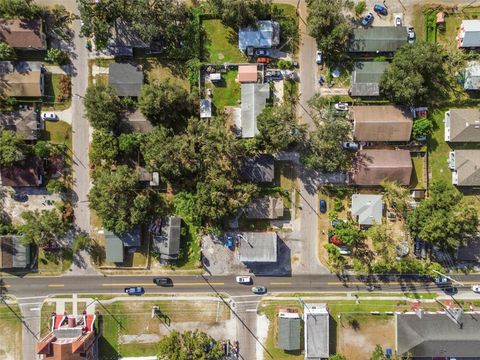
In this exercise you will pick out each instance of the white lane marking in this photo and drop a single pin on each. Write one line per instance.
(251, 310)
(34, 309)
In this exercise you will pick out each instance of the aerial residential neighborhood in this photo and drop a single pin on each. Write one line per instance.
(239, 179)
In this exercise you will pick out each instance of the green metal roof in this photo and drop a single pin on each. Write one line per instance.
(377, 39)
(113, 249)
(288, 337)
(366, 77)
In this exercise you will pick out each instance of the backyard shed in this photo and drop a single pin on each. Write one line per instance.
(205, 108)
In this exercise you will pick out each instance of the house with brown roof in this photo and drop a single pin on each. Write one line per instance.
(21, 79)
(27, 173)
(23, 34)
(462, 125)
(13, 254)
(465, 165)
(371, 167)
(247, 73)
(381, 123)
(24, 122)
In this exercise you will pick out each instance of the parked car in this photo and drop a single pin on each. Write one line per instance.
(411, 35)
(341, 106)
(323, 206)
(442, 280)
(134, 290)
(344, 250)
(244, 279)
(367, 20)
(262, 52)
(398, 21)
(273, 75)
(19, 197)
(163, 281)
(350, 145)
(319, 59)
(476, 288)
(49, 116)
(263, 60)
(335, 240)
(229, 242)
(380, 9)
(450, 290)
(259, 290)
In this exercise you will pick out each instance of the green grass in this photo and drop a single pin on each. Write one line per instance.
(221, 44)
(189, 256)
(417, 174)
(446, 34)
(290, 90)
(11, 325)
(430, 25)
(438, 149)
(45, 313)
(52, 90)
(226, 92)
(54, 264)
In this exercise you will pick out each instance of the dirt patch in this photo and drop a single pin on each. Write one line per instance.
(358, 337)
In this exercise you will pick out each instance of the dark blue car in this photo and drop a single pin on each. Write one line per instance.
(323, 206)
(379, 9)
(367, 20)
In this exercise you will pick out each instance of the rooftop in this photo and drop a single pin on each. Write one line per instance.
(462, 125)
(368, 208)
(267, 207)
(22, 34)
(377, 39)
(467, 167)
(26, 173)
(472, 76)
(125, 78)
(288, 337)
(13, 254)
(259, 169)
(266, 35)
(205, 108)
(166, 236)
(366, 78)
(254, 99)
(23, 121)
(247, 73)
(21, 79)
(317, 327)
(258, 247)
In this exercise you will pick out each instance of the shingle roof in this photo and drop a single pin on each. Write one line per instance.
(258, 247)
(366, 78)
(377, 39)
(288, 337)
(266, 35)
(267, 207)
(22, 34)
(467, 166)
(371, 167)
(462, 125)
(436, 335)
(134, 121)
(368, 208)
(116, 242)
(113, 249)
(258, 169)
(26, 173)
(254, 99)
(126, 79)
(23, 122)
(21, 79)
(381, 123)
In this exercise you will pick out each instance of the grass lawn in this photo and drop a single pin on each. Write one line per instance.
(226, 92)
(290, 90)
(51, 91)
(58, 132)
(417, 174)
(447, 33)
(54, 263)
(134, 318)
(438, 149)
(11, 332)
(189, 257)
(158, 70)
(47, 309)
(221, 44)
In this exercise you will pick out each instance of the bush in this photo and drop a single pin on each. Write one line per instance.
(284, 64)
(360, 8)
(81, 242)
(55, 186)
(58, 56)
(65, 87)
(422, 127)
(338, 205)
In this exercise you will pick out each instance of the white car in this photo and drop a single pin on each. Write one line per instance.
(244, 279)
(341, 106)
(319, 59)
(476, 288)
(49, 116)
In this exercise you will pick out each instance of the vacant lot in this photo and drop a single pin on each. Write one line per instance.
(221, 44)
(11, 333)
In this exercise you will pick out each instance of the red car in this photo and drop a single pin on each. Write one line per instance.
(335, 240)
(263, 60)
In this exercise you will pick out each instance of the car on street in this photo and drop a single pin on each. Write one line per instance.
(323, 206)
(350, 145)
(263, 60)
(134, 290)
(319, 59)
(368, 19)
(163, 281)
(49, 116)
(450, 290)
(476, 288)
(398, 21)
(380, 9)
(19, 197)
(259, 290)
(411, 35)
(442, 280)
(341, 106)
(244, 279)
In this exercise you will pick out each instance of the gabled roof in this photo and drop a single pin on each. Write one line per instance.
(26, 173)
(371, 167)
(470, 31)
(266, 35)
(472, 76)
(267, 207)
(134, 121)
(366, 78)
(368, 208)
(126, 79)
(21, 79)
(113, 248)
(317, 327)
(462, 125)
(381, 123)
(258, 169)
(254, 99)
(467, 167)
(247, 73)
(167, 240)
(258, 247)
(288, 337)
(377, 39)
(23, 122)
(22, 34)
(436, 335)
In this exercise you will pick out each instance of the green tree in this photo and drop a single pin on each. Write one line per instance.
(337, 357)
(184, 204)
(41, 227)
(6, 51)
(418, 74)
(41, 149)
(164, 103)
(81, 242)
(189, 345)
(360, 8)
(12, 148)
(129, 144)
(335, 260)
(422, 127)
(238, 14)
(444, 219)
(55, 186)
(104, 148)
(348, 233)
(25, 9)
(328, 25)
(58, 56)
(103, 107)
(382, 239)
(378, 353)
(278, 128)
(395, 196)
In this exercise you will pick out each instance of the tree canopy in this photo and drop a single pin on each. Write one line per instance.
(422, 127)
(104, 148)
(6, 51)
(41, 227)
(238, 14)
(189, 345)
(12, 148)
(347, 232)
(444, 219)
(102, 107)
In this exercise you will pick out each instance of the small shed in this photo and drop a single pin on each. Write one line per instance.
(205, 108)
(215, 77)
(247, 73)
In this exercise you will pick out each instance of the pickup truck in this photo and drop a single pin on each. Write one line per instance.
(134, 290)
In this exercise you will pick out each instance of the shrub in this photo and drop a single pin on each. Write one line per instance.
(65, 87)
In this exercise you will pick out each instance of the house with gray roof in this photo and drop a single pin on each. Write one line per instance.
(469, 34)
(25, 122)
(377, 40)
(166, 237)
(266, 35)
(115, 244)
(472, 76)
(437, 335)
(14, 254)
(462, 125)
(366, 77)
(253, 100)
(258, 169)
(316, 328)
(267, 207)
(288, 330)
(465, 165)
(255, 247)
(367, 209)
(125, 78)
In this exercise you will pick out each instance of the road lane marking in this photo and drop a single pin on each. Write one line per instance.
(129, 285)
(174, 284)
(199, 284)
(251, 310)
(34, 309)
(280, 283)
(56, 285)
